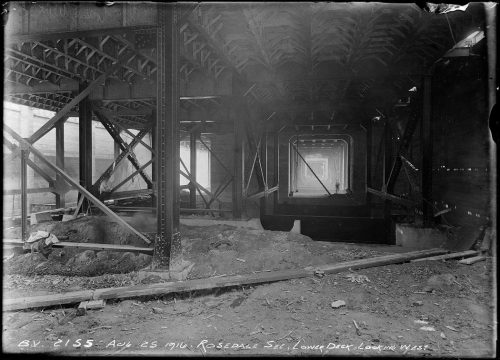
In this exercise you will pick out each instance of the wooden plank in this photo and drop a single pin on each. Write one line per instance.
(210, 283)
(472, 260)
(88, 246)
(130, 194)
(456, 255)
(47, 300)
(380, 260)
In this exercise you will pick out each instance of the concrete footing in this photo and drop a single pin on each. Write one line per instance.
(296, 227)
(178, 271)
(412, 237)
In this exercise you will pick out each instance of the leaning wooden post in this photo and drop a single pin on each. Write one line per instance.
(60, 195)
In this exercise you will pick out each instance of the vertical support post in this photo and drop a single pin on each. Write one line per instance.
(167, 247)
(192, 168)
(276, 160)
(491, 11)
(153, 158)
(116, 148)
(85, 145)
(263, 157)
(427, 152)
(60, 196)
(387, 174)
(238, 161)
(24, 194)
(369, 144)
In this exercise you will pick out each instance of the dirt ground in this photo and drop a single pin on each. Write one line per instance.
(424, 308)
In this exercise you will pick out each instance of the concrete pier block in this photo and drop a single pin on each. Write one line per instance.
(418, 238)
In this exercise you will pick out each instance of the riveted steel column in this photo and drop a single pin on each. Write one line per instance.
(263, 156)
(60, 196)
(369, 144)
(167, 247)
(238, 160)
(153, 158)
(192, 170)
(85, 145)
(427, 153)
(276, 164)
(24, 194)
(388, 158)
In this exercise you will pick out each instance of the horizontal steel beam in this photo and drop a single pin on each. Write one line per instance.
(13, 38)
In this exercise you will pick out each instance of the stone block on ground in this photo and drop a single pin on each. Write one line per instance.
(67, 217)
(39, 218)
(93, 304)
(180, 270)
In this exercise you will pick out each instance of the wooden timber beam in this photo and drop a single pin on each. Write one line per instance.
(403, 147)
(118, 140)
(75, 183)
(132, 136)
(125, 153)
(128, 178)
(262, 194)
(220, 190)
(387, 196)
(255, 149)
(49, 125)
(16, 149)
(88, 246)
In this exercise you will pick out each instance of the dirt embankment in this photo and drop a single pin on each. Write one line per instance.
(214, 250)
